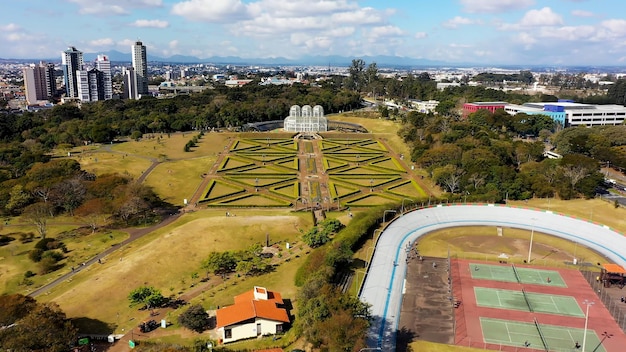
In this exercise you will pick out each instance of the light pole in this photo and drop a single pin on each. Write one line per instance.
(532, 233)
(588, 304)
(385, 214)
(403, 199)
(605, 335)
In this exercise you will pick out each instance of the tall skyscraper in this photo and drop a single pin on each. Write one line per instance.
(104, 65)
(140, 64)
(72, 61)
(40, 82)
(130, 83)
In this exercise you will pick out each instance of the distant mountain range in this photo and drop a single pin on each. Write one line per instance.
(332, 60)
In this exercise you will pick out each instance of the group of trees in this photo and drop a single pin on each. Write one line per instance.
(60, 186)
(248, 262)
(481, 157)
(321, 234)
(26, 325)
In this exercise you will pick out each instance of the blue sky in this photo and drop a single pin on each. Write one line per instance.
(548, 32)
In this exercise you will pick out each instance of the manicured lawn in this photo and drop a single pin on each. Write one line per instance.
(177, 180)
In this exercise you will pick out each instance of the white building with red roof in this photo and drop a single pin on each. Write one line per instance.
(255, 313)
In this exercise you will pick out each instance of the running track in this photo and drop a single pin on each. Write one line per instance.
(383, 284)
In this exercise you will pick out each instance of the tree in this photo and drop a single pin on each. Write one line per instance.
(148, 296)
(30, 326)
(69, 194)
(18, 199)
(195, 318)
(220, 263)
(38, 214)
(316, 238)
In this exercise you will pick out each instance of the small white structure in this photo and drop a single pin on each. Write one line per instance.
(306, 119)
(255, 313)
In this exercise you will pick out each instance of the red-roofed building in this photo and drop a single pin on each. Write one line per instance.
(255, 313)
(492, 106)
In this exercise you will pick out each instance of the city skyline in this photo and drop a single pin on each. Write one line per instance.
(514, 32)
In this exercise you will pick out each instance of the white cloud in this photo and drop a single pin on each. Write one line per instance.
(113, 7)
(421, 35)
(150, 24)
(542, 17)
(212, 10)
(495, 6)
(615, 26)
(173, 44)
(102, 42)
(11, 27)
(384, 32)
(582, 13)
(458, 21)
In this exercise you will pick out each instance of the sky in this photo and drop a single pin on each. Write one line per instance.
(505, 32)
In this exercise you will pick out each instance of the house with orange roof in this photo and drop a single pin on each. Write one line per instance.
(255, 313)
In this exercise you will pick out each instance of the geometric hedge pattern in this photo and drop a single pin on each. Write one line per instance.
(264, 172)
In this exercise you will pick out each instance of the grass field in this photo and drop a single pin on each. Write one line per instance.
(176, 180)
(14, 261)
(103, 162)
(167, 259)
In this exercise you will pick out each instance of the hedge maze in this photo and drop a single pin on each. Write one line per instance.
(280, 172)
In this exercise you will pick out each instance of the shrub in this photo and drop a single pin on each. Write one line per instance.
(27, 237)
(29, 274)
(35, 255)
(195, 318)
(46, 243)
(56, 256)
(315, 238)
(47, 265)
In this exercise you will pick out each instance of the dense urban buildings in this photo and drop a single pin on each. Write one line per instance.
(71, 61)
(140, 65)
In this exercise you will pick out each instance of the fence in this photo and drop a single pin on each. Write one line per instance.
(610, 301)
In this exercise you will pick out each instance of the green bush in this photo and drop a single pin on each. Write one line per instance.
(315, 238)
(29, 274)
(35, 255)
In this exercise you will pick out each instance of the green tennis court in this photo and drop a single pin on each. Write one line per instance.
(538, 336)
(517, 274)
(528, 301)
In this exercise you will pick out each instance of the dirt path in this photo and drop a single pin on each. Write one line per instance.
(135, 233)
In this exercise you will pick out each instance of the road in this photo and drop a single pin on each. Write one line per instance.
(384, 282)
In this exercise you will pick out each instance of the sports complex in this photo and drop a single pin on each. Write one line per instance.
(498, 305)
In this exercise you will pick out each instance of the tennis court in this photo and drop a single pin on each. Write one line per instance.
(516, 274)
(537, 336)
(528, 301)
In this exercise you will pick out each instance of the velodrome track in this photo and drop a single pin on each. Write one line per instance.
(383, 285)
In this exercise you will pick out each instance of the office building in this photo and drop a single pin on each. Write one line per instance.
(571, 114)
(103, 64)
(140, 64)
(72, 61)
(39, 82)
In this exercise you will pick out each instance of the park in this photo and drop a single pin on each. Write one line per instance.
(236, 190)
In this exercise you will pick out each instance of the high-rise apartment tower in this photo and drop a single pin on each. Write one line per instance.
(140, 64)
(72, 61)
